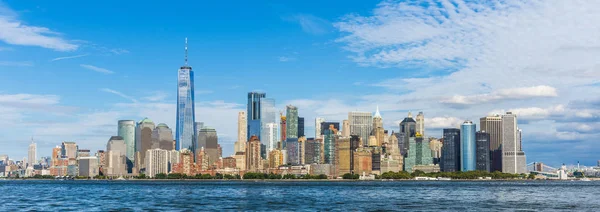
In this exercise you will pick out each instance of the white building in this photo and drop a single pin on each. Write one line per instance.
(318, 129)
(157, 162)
(32, 154)
(88, 166)
(513, 157)
(361, 124)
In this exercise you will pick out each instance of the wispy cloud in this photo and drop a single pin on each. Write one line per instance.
(97, 69)
(119, 94)
(312, 24)
(15, 32)
(119, 51)
(16, 63)
(69, 57)
(157, 96)
(5, 49)
(286, 59)
(503, 94)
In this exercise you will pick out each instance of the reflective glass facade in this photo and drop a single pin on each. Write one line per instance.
(468, 146)
(254, 113)
(127, 132)
(450, 161)
(185, 132)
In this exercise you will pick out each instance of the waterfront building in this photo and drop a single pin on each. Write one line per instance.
(116, 148)
(293, 151)
(69, 150)
(88, 166)
(313, 151)
(254, 113)
(126, 129)
(513, 158)
(451, 150)
(32, 154)
(378, 131)
(143, 138)
(301, 127)
(420, 124)
(493, 126)
(268, 123)
(186, 164)
(408, 128)
(242, 135)
(253, 154)
(283, 131)
(156, 162)
(291, 122)
(162, 137)
(207, 139)
(376, 153)
(229, 163)
(275, 158)
(202, 160)
(186, 115)
(345, 128)
(318, 128)
(483, 152)
(343, 155)
(240, 160)
(173, 157)
(468, 146)
(419, 153)
(361, 124)
(362, 161)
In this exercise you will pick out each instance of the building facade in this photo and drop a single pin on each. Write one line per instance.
(143, 138)
(513, 158)
(162, 137)
(361, 124)
(126, 129)
(69, 150)
(242, 135)
(186, 114)
(450, 161)
(32, 154)
(318, 128)
(468, 146)
(291, 122)
(253, 159)
(493, 126)
(156, 162)
(483, 151)
(420, 124)
(254, 113)
(207, 139)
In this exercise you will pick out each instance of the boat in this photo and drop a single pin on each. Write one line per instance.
(444, 178)
(121, 178)
(585, 179)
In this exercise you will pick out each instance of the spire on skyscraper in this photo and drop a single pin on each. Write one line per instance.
(377, 115)
(186, 53)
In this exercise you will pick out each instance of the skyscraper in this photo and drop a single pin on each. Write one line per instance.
(493, 126)
(143, 138)
(329, 144)
(451, 150)
(253, 113)
(253, 154)
(318, 128)
(300, 127)
(283, 131)
(468, 146)
(127, 132)
(162, 137)
(69, 150)
(345, 129)
(186, 116)
(156, 162)
(242, 138)
(271, 136)
(407, 130)
(483, 152)
(419, 153)
(513, 158)
(268, 118)
(207, 139)
(378, 130)
(420, 124)
(115, 162)
(361, 124)
(291, 122)
(32, 154)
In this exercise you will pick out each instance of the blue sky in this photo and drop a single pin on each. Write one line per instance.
(70, 71)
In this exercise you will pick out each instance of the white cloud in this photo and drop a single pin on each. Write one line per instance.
(118, 94)
(286, 59)
(503, 94)
(97, 69)
(312, 24)
(157, 96)
(15, 32)
(16, 63)
(442, 122)
(69, 57)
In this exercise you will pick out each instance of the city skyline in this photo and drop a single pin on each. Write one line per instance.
(81, 82)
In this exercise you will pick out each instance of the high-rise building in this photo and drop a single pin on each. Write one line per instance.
(69, 150)
(361, 124)
(291, 122)
(143, 138)
(419, 153)
(378, 130)
(253, 154)
(186, 115)
(408, 128)
(483, 151)
(420, 124)
(271, 136)
(345, 128)
(253, 113)
(329, 144)
(362, 162)
(88, 166)
(436, 149)
(32, 154)
(283, 131)
(313, 152)
(343, 156)
(162, 137)
(468, 146)
(302, 149)
(300, 127)
(493, 126)
(292, 148)
(101, 155)
(126, 129)
(318, 128)
(116, 163)
(156, 162)
(328, 124)
(513, 158)
(240, 144)
(268, 117)
(275, 158)
(207, 139)
(450, 161)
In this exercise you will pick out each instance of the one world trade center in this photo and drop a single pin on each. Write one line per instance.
(185, 107)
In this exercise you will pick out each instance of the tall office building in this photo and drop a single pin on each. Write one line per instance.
(301, 127)
(343, 155)
(329, 144)
(126, 129)
(156, 162)
(283, 131)
(291, 122)
(361, 124)
(318, 128)
(493, 126)
(468, 146)
(313, 152)
(328, 125)
(513, 158)
(207, 139)
(115, 157)
(268, 118)
(88, 166)
(242, 138)
(419, 153)
(253, 113)
(271, 136)
(292, 148)
(32, 154)
(345, 128)
(69, 150)
(420, 124)
(378, 130)
(483, 151)
(143, 138)
(162, 137)
(253, 159)
(408, 128)
(186, 116)
(451, 150)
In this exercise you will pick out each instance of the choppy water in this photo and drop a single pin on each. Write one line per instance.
(294, 196)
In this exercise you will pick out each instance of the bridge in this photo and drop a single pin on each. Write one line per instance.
(539, 168)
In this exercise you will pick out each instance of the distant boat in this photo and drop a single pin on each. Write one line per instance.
(425, 178)
(121, 178)
(444, 178)
(585, 179)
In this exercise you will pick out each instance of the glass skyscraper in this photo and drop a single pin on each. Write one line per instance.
(468, 146)
(254, 113)
(185, 132)
(127, 132)
(451, 150)
(268, 126)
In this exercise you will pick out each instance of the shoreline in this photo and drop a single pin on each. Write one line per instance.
(300, 180)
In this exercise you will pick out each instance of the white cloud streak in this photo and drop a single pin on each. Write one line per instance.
(97, 69)
(69, 57)
(119, 94)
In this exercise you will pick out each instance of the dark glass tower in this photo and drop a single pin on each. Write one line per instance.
(483, 155)
(254, 105)
(451, 150)
(185, 132)
(300, 127)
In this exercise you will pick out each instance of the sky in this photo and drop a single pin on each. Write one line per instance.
(70, 71)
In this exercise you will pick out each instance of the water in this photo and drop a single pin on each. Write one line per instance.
(299, 196)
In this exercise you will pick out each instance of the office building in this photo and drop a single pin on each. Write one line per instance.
(116, 157)
(156, 162)
(378, 131)
(362, 161)
(483, 151)
(242, 137)
(313, 151)
(253, 159)
(450, 161)
(420, 124)
(419, 153)
(513, 158)
(301, 127)
(186, 115)
(283, 131)
(493, 126)
(345, 129)
(271, 136)
(143, 138)
(343, 156)
(253, 113)
(318, 128)
(468, 146)
(126, 129)
(69, 150)
(408, 128)
(88, 166)
(275, 158)
(329, 144)
(292, 148)
(207, 139)
(32, 154)
(268, 118)
(291, 122)
(162, 137)
(361, 124)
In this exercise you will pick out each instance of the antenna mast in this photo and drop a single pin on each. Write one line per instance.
(186, 53)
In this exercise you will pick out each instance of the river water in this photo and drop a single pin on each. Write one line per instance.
(49, 195)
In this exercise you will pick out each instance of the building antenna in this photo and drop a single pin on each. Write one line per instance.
(186, 53)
